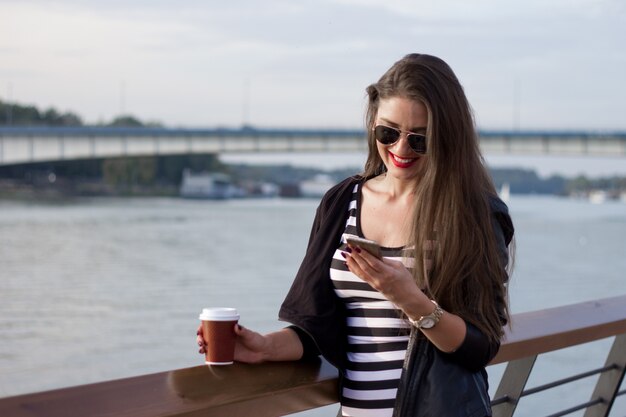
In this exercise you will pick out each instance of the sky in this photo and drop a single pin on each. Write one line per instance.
(549, 65)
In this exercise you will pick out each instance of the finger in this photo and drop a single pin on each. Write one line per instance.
(353, 266)
(201, 344)
(239, 330)
(248, 336)
(368, 256)
(357, 270)
(199, 336)
(364, 253)
(362, 256)
(200, 341)
(368, 263)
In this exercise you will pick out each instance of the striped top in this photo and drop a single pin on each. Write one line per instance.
(377, 335)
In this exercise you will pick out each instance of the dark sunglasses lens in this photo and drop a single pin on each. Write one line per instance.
(417, 143)
(386, 135)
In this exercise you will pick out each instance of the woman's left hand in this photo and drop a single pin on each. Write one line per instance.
(389, 277)
(396, 283)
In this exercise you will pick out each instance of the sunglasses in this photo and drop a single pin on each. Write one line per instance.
(390, 135)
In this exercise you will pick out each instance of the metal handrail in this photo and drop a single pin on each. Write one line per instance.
(568, 380)
(272, 389)
(545, 331)
(583, 406)
(557, 383)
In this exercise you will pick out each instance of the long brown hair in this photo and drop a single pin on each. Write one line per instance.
(452, 204)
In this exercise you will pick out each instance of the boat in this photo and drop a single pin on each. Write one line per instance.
(505, 192)
(597, 196)
(208, 185)
(317, 186)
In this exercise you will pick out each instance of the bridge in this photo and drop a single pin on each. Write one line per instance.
(19, 145)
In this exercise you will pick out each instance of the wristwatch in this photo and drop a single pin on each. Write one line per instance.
(429, 321)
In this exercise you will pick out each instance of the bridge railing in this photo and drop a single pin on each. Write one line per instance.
(20, 145)
(273, 389)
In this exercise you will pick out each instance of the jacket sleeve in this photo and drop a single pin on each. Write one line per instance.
(477, 350)
(311, 304)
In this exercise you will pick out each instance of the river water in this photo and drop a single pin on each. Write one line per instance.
(106, 288)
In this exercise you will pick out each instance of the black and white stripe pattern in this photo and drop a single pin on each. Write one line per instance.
(377, 335)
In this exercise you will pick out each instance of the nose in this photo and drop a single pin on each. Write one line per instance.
(402, 147)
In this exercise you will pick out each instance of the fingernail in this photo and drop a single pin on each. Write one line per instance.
(345, 255)
(357, 249)
(348, 249)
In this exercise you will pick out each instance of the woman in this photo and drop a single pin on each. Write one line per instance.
(411, 333)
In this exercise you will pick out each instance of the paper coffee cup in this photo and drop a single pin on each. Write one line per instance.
(219, 335)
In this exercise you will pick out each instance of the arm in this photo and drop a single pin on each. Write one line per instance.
(392, 279)
(462, 341)
(476, 351)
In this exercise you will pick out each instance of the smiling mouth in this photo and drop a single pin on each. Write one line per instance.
(402, 162)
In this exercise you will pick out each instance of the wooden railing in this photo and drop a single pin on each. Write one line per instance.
(282, 388)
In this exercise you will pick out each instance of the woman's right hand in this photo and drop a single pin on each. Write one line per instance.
(253, 347)
(250, 346)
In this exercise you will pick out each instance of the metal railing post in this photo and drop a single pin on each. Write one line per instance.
(511, 386)
(609, 382)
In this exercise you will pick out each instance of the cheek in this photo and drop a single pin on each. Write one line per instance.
(382, 150)
(422, 164)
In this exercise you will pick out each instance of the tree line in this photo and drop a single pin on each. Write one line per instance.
(145, 175)
(13, 114)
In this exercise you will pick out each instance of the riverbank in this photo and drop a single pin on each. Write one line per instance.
(164, 177)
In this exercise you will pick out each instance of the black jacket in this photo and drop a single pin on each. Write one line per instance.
(313, 306)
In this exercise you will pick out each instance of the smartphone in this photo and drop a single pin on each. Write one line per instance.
(369, 245)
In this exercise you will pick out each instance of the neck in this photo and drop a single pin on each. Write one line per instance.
(397, 188)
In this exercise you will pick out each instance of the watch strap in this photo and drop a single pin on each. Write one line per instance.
(433, 317)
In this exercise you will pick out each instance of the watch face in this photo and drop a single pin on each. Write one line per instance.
(427, 323)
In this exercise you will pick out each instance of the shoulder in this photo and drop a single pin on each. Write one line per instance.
(340, 191)
(500, 212)
(344, 185)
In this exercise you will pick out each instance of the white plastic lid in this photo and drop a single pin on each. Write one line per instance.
(219, 314)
